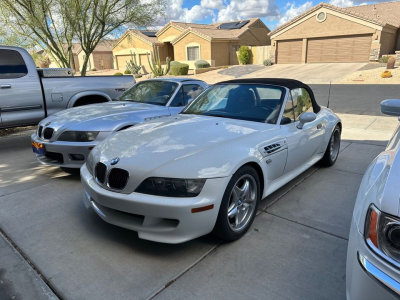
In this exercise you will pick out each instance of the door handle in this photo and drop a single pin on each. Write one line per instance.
(319, 126)
(5, 86)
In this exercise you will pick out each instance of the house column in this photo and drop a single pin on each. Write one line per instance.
(304, 52)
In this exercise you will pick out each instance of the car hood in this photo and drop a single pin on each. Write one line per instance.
(103, 117)
(185, 146)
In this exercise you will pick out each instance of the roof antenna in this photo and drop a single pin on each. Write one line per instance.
(329, 94)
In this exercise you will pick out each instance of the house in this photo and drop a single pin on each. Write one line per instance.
(188, 42)
(75, 47)
(327, 33)
(101, 57)
(137, 43)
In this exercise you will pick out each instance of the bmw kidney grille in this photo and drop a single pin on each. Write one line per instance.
(117, 178)
(48, 133)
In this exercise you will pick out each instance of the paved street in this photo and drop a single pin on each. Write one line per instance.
(361, 99)
(296, 248)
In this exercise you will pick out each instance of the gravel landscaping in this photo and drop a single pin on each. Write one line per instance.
(372, 76)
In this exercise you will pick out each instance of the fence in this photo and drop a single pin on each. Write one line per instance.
(260, 53)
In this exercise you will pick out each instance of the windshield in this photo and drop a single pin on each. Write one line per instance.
(151, 92)
(251, 102)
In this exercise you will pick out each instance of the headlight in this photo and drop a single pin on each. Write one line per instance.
(89, 163)
(382, 233)
(171, 187)
(78, 136)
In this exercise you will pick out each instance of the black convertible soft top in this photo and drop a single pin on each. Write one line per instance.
(289, 83)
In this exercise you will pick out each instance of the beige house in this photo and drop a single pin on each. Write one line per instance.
(75, 48)
(188, 42)
(100, 59)
(328, 33)
(139, 43)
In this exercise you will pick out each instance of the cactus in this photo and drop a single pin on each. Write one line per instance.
(390, 63)
(132, 65)
(386, 74)
(155, 64)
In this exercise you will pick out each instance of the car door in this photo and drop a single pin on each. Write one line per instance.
(303, 143)
(185, 94)
(21, 99)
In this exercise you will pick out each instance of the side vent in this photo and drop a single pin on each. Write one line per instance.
(274, 147)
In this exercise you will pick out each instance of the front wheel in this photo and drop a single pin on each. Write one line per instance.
(239, 205)
(332, 150)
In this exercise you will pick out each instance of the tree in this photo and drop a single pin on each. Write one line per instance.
(54, 25)
(96, 20)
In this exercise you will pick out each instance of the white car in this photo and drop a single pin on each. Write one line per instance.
(206, 169)
(373, 255)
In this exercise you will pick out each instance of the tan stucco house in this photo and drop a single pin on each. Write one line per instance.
(75, 47)
(139, 43)
(328, 33)
(101, 58)
(188, 42)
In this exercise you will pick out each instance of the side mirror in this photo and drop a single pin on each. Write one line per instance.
(306, 117)
(391, 107)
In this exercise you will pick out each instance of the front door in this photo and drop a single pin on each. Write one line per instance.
(21, 99)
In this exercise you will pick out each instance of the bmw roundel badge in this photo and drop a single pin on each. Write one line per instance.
(114, 161)
(47, 124)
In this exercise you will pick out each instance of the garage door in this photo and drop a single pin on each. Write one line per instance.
(355, 48)
(289, 52)
(122, 60)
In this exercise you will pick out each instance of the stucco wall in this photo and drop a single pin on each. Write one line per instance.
(249, 39)
(131, 43)
(220, 52)
(169, 35)
(332, 26)
(387, 41)
(189, 40)
(262, 36)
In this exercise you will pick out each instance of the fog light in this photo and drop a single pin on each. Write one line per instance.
(77, 156)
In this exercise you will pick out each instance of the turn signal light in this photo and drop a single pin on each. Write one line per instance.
(204, 208)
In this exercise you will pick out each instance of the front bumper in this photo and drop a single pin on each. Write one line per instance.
(155, 218)
(63, 154)
(368, 276)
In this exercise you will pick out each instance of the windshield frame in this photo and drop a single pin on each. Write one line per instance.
(282, 102)
(172, 96)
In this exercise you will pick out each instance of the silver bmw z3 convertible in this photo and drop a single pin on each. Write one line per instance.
(66, 138)
(373, 255)
(206, 169)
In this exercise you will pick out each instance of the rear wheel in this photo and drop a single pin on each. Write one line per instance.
(239, 205)
(332, 151)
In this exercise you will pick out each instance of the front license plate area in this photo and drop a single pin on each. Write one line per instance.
(38, 148)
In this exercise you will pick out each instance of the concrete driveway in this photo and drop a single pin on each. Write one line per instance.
(308, 73)
(51, 246)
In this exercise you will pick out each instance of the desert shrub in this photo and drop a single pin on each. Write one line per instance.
(244, 55)
(127, 72)
(138, 76)
(181, 69)
(383, 59)
(390, 63)
(386, 74)
(201, 64)
(118, 74)
(267, 62)
(94, 69)
(174, 63)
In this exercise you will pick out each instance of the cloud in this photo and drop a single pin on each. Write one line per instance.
(342, 3)
(293, 11)
(245, 9)
(213, 4)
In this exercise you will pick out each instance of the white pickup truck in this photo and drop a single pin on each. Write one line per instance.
(27, 95)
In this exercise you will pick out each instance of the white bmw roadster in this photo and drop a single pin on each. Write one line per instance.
(206, 169)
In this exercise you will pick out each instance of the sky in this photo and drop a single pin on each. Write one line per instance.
(272, 12)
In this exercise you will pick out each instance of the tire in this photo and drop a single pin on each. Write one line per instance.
(71, 171)
(332, 150)
(235, 202)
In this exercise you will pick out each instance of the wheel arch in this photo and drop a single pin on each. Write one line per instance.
(88, 94)
(260, 174)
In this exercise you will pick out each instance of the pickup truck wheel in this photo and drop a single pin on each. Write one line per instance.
(89, 100)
